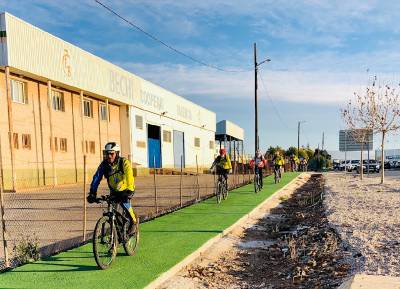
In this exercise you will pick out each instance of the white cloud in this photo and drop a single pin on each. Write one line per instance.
(292, 86)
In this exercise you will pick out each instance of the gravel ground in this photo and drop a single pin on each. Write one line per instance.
(366, 214)
(292, 246)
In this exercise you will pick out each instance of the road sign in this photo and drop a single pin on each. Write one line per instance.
(348, 141)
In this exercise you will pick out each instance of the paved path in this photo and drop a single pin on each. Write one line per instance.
(164, 242)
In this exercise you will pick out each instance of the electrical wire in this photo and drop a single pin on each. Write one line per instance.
(151, 36)
(272, 102)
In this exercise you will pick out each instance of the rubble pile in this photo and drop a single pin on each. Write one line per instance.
(293, 247)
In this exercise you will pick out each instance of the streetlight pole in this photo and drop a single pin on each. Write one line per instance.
(256, 138)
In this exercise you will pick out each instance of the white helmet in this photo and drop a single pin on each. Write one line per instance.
(112, 146)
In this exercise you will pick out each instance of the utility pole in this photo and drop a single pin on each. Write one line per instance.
(255, 101)
(323, 140)
(256, 65)
(298, 136)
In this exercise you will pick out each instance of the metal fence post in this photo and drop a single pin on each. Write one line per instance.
(3, 223)
(197, 179)
(84, 197)
(180, 184)
(155, 185)
(242, 171)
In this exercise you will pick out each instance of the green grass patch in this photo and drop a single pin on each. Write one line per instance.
(164, 242)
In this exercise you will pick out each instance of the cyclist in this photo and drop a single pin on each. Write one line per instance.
(303, 164)
(259, 163)
(223, 165)
(279, 162)
(294, 161)
(118, 172)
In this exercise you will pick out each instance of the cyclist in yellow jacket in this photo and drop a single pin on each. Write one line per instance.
(118, 172)
(279, 162)
(294, 162)
(222, 164)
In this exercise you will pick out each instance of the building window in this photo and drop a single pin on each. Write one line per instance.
(103, 111)
(18, 91)
(89, 147)
(212, 145)
(139, 121)
(55, 144)
(88, 108)
(166, 136)
(15, 141)
(26, 141)
(58, 100)
(92, 146)
(63, 144)
(197, 142)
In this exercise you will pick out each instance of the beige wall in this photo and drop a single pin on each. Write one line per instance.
(34, 166)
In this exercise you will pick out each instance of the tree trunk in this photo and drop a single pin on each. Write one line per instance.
(383, 158)
(361, 162)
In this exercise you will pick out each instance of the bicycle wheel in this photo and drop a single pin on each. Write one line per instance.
(218, 192)
(224, 190)
(256, 184)
(131, 240)
(105, 243)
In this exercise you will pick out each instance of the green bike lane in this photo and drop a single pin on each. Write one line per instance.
(164, 242)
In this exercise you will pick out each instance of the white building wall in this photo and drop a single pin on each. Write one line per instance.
(205, 154)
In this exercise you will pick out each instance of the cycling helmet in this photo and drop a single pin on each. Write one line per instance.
(112, 146)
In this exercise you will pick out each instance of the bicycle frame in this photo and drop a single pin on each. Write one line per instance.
(116, 219)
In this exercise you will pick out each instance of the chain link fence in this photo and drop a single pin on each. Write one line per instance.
(48, 219)
(45, 219)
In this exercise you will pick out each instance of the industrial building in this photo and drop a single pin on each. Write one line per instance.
(60, 103)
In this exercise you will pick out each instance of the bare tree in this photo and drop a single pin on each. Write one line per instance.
(378, 109)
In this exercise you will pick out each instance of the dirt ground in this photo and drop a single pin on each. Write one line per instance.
(367, 216)
(292, 246)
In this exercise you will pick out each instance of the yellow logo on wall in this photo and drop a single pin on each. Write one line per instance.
(66, 63)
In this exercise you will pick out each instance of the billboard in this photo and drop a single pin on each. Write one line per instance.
(348, 140)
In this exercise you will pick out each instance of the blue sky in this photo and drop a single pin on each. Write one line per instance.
(321, 52)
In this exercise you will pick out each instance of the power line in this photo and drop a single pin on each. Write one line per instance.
(151, 36)
(273, 104)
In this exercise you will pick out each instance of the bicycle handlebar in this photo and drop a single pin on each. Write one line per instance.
(106, 198)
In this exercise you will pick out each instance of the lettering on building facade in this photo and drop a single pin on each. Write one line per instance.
(121, 85)
(184, 112)
(66, 63)
(150, 99)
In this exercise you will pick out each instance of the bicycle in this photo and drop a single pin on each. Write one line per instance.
(110, 230)
(257, 182)
(221, 190)
(277, 174)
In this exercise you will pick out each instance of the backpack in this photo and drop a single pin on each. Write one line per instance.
(119, 170)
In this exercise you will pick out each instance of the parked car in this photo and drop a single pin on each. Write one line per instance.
(344, 164)
(336, 165)
(396, 164)
(387, 165)
(373, 166)
(353, 165)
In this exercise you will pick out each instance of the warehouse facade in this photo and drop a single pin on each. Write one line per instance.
(60, 103)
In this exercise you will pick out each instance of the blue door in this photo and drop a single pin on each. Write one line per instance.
(154, 146)
(179, 149)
